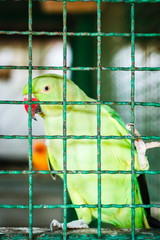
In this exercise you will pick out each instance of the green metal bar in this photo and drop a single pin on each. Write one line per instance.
(24, 172)
(99, 114)
(82, 68)
(30, 120)
(79, 137)
(64, 120)
(132, 114)
(149, 104)
(79, 34)
(45, 206)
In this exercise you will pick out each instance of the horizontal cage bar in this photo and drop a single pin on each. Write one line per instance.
(23, 172)
(79, 137)
(80, 68)
(45, 206)
(78, 34)
(151, 104)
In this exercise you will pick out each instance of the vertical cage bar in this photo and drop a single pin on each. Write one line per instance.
(99, 113)
(64, 120)
(132, 113)
(30, 120)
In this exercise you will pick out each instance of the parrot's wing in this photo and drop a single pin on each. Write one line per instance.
(118, 122)
(115, 115)
(140, 181)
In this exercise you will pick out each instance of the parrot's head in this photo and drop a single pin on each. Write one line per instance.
(49, 88)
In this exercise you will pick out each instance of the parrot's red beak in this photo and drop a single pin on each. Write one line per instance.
(34, 106)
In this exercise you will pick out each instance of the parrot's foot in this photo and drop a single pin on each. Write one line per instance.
(55, 225)
(77, 224)
(141, 146)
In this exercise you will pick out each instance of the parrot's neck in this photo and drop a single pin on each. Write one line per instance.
(80, 120)
(53, 125)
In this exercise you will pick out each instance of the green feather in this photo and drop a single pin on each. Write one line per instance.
(115, 115)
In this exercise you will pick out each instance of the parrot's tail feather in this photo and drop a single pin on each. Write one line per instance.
(148, 221)
(143, 196)
(154, 223)
(145, 221)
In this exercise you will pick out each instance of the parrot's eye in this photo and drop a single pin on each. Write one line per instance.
(47, 88)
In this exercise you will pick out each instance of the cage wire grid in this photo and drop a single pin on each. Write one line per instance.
(132, 35)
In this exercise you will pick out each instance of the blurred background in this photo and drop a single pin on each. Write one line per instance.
(81, 51)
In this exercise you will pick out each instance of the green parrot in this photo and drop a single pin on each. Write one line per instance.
(82, 153)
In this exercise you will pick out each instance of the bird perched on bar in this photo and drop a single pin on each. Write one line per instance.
(82, 150)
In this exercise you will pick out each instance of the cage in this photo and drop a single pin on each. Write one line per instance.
(85, 35)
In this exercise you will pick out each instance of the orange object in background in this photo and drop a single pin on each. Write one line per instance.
(72, 7)
(39, 156)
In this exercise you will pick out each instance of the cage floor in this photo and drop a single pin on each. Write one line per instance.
(44, 233)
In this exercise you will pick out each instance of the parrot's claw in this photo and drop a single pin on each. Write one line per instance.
(128, 125)
(55, 225)
(77, 224)
(34, 118)
(130, 135)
